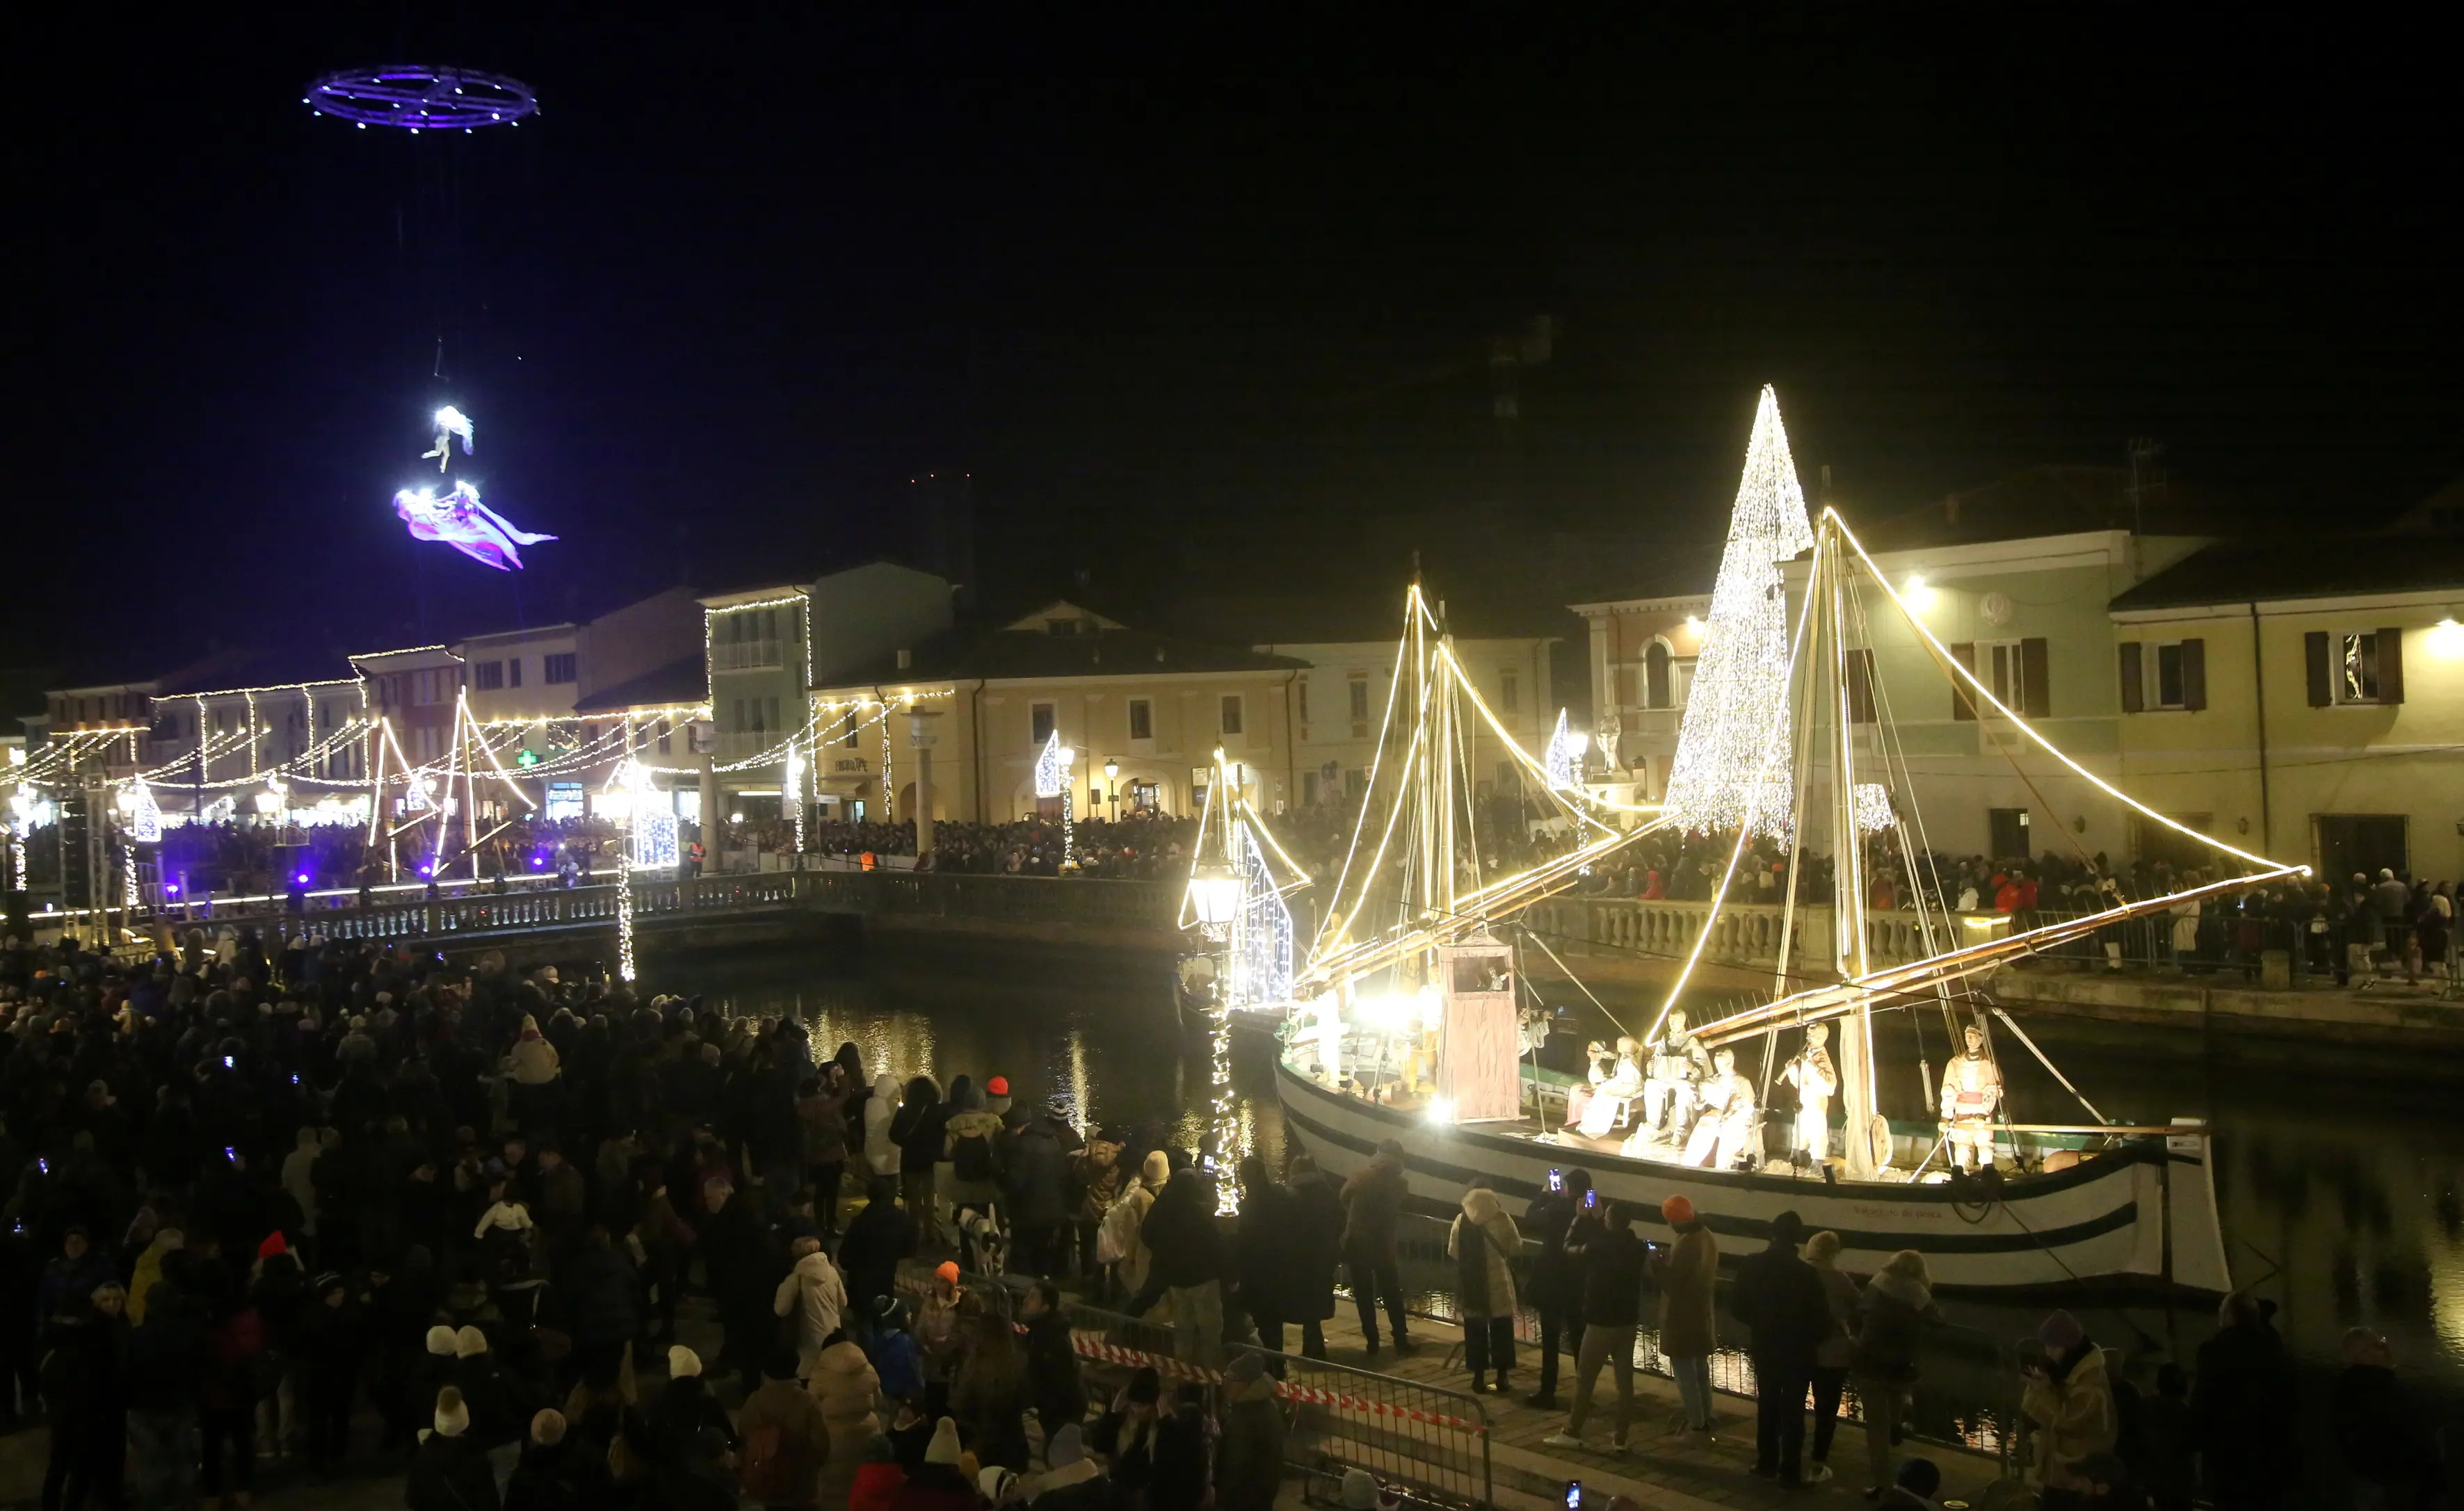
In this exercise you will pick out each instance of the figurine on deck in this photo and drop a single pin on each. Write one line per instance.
(1594, 1111)
(1816, 1082)
(1730, 1116)
(1679, 1067)
(1971, 1094)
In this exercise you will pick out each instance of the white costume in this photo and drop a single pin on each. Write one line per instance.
(1816, 1081)
(1728, 1117)
(1679, 1068)
(1612, 1092)
(1971, 1094)
(1326, 1030)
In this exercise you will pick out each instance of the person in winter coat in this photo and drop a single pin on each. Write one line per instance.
(844, 1384)
(938, 1483)
(70, 1279)
(85, 1383)
(990, 1396)
(2389, 1453)
(1249, 1460)
(1263, 1257)
(897, 1360)
(1316, 1249)
(1036, 1178)
(821, 1139)
(1052, 1382)
(1485, 1244)
(448, 1472)
(1832, 1358)
(786, 1440)
(1124, 1226)
(1613, 1261)
(1373, 1199)
(602, 1298)
(1183, 1467)
(557, 1472)
(1687, 1273)
(2069, 1397)
(149, 1270)
(815, 1296)
(2242, 1395)
(499, 1401)
(332, 1334)
(1181, 1233)
(877, 1239)
(917, 1129)
(1095, 1182)
(1555, 1289)
(1891, 1315)
(880, 1149)
(533, 1088)
(1778, 1296)
(973, 1143)
(676, 1429)
(736, 1255)
(878, 1479)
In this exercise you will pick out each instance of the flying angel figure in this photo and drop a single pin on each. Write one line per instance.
(467, 525)
(450, 422)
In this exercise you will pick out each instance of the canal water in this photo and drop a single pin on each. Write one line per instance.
(2341, 1181)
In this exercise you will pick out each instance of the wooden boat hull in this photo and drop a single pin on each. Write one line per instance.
(2138, 1220)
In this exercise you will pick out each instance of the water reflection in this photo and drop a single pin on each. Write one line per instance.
(2338, 1185)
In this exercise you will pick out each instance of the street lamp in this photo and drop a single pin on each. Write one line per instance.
(1112, 780)
(1214, 892)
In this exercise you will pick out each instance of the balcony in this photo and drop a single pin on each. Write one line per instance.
(746, 655)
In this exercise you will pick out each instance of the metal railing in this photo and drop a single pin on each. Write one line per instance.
(1429, 1440)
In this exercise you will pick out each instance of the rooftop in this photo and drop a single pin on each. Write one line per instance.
(2332, 566)
(679, 684)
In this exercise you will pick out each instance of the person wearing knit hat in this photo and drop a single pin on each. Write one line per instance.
(547, 1427)
(468, 1343)
(2069, 1397)
(447, 1468)
(943, 1449)
(682, 1362)
(440, 1341)
(947, 1272)
(1686, 1274)
(997, 1487)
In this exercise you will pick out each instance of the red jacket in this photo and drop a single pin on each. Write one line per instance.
(876, 1487)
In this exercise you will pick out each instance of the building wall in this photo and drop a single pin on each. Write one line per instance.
(536, 698)
(637, 640)
(2402, 760)
(1510, 673)
(1635, 724)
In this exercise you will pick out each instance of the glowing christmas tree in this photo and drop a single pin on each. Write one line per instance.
(1737, 712)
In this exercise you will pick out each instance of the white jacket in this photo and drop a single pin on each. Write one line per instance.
(814, 1295)
(880, 1149)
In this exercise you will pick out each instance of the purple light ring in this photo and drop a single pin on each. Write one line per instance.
(419, 97)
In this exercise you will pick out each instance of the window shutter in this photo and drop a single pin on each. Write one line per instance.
(2390, 666)
(2194, 673)
(2314, 660)
(1962, 706)
(2134, 686)
(2040, 701)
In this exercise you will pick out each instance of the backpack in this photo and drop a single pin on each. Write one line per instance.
(971, 1158)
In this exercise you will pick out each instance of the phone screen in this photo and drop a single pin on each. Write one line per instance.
(1573, 1495)
(1591, 1200)
(1556, 1180)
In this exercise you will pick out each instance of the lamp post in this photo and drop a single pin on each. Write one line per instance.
(1113, 783)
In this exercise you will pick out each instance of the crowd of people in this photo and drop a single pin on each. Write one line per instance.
(250, 856)
(340, 1210)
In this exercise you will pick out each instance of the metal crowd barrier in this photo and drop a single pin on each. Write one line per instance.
(1425, 1439)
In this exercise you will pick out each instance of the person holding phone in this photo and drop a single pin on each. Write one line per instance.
(1556, 1288)
(1612, 1260)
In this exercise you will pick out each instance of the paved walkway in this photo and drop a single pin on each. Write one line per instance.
(1660, 1468)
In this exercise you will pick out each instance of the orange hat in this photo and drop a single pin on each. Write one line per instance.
(1677, 1208)
(997, 1086)
(948, 1271)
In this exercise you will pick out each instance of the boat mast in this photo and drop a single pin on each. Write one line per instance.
(1848, 874)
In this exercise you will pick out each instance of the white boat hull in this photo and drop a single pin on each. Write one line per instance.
(2141, 1218)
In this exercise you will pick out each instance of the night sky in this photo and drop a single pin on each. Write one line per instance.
(1191, 308)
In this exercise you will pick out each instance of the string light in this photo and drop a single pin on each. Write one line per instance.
(1564, 754)
(1052, 780)
(1738, 707)
(1872, 802)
